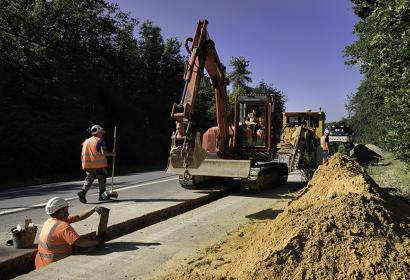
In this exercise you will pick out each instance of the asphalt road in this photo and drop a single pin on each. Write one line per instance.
(161, 248)
(18, 204)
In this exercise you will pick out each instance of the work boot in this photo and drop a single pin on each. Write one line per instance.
(81, 197)
(104, 196)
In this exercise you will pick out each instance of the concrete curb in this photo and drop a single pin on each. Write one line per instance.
(21, 261)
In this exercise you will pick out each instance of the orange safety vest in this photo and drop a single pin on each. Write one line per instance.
(90, 157)
(51, 246)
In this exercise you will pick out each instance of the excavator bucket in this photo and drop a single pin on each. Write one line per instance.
(195, 163)
(185, 157)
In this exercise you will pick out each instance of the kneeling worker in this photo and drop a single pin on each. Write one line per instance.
(57, 235)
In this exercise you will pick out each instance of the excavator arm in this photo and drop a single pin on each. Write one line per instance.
(188, 158)
(202, 55)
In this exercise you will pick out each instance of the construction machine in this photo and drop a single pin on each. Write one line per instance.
(245, 150)
(340, 138)
(299, 142)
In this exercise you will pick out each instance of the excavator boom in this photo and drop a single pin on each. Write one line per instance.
(203, 55)
(187, 155)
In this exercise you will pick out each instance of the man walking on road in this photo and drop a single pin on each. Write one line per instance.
(94, 162)
(324, 143)
(57, 235)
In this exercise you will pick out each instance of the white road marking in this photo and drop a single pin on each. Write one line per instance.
(53, 185)
(15, 210)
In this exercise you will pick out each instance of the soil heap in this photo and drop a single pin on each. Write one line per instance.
(342, 226)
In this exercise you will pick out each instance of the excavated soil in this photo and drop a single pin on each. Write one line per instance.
(341, 226)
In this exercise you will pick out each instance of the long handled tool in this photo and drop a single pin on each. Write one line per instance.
(113, 193)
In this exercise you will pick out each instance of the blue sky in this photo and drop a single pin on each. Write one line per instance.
(294, 45)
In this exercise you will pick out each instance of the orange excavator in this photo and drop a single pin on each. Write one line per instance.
(245, 150)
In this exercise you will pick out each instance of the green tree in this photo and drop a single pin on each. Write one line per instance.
(366, 114)
(382, 52)
(239, 79)
(279, 100)
(161, 80)
(205, 107)
(67, 64)
(240, 75)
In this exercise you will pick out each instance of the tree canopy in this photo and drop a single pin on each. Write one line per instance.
(379, 110)
(240, 75)
(68, 64)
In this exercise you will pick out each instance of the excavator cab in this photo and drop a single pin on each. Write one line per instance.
(251, 125)
(252, 122)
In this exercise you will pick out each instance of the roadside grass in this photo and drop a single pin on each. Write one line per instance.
(393, 175)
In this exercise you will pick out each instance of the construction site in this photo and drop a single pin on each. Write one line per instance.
(230, 185)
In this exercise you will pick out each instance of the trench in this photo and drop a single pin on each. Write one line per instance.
(21, 261)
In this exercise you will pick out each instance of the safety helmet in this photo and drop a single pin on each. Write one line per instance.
(55, 204)
(95, 129)
(327, 131)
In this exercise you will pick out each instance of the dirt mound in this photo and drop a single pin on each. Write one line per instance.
(343, 226)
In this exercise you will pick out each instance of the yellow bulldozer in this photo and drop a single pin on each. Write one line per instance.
(300, 138)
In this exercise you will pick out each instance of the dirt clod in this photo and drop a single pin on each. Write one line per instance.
(342, 226)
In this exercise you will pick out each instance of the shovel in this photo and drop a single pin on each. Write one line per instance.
(113, 193)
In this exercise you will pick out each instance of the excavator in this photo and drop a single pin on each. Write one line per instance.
(245, 150)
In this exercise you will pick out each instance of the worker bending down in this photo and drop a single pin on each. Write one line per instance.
(57, 235)
(94, 162)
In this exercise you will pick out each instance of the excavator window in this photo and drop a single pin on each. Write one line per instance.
(252, 125)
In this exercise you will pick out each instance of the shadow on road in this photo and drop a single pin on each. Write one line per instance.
(266, 214)
(275, 191)
(139, 200)
(38, 191)
(66, 188)
(120, 246)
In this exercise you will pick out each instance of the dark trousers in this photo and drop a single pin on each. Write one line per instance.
(91, 175)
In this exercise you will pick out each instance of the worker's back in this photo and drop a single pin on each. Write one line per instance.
(55, 242)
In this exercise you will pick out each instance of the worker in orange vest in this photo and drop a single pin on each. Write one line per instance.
(57, 235)
(324, 143)
(94, 163)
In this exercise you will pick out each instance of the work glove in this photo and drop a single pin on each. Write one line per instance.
(101, 210)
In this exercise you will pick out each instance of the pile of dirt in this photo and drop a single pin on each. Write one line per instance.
(342, 226)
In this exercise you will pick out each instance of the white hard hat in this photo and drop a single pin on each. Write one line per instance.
(55, 204)
(327, 131)
(96, 129)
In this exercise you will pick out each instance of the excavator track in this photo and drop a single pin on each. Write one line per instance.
(261, 176)
(265, 176)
